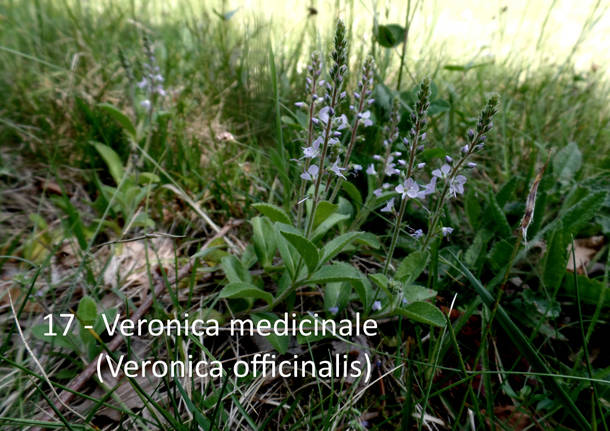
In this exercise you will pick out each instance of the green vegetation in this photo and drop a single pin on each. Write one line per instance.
(239, 161)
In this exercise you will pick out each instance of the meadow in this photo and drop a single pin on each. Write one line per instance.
(438, 169)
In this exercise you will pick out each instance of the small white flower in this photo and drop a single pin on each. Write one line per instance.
(457, 185)
(335, 169)
(447, 230)
(408, 189)
(143, 83)
(371, 170)
(145, 104)
(417, 234)
(310, 152)
(389, 206)
(323, 114)
(342, 122)
(357, 167)
(311, 173)
(376, 306)
(365, 117)
(442, 172)
(160, 91)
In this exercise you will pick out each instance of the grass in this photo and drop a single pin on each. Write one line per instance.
(521, 343)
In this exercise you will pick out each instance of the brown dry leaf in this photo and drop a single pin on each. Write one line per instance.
(584, 250)
(128, 268)
(512, 417)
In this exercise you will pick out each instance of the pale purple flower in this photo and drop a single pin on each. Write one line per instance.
(465, 148)
(335, 169)
(456, 187)
(408, 189)
(300, 104)
(333, 310)
(389, 206)
(342, 122)
(442, 172)
(310, 152)
(324, 114)
(145, 104)
(377, 157)
(428, 189)
(357, 167)
(417, 234)
(448, 159)
(365, 117)
(143, 83)
(376, 306)
(420, 165)
(311, 173)
(377, 192)
(371, 170)
(446, 230)
(471, 164)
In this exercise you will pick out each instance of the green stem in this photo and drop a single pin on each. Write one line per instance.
(316, 193)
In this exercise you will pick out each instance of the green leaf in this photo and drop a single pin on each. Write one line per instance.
(523, 344)
(287, 252)
(555, 259)
(245, 291)
(567, 163)
(582, 212)
(305, 248)
(337, 245)
(281, 343)
(414, 293)
(235, 270)
(353, 193)
(591, 291)
(423, 312)
(60, 340)
(411, 266)
(336, 272)
(113, 161)
(369, 239)
(500, 254)
(472, 207)
(264, 240)
(273, 212)
(120, 118)
(87, 310)
(327, 224)
(337, 295)
(324, 210)
(390, 35)
(497, 218)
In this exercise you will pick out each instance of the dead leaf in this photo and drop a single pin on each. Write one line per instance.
(584, 250)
